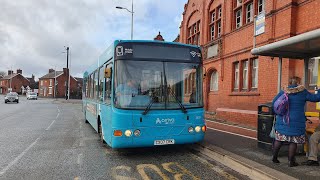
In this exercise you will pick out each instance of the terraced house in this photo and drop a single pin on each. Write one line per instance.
(58, 78)
(236, 81)
(15, 82)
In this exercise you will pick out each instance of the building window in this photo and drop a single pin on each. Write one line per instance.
(249, 12)
(214, 81)
(254, 78)
(50, 82)
(213, 16)
(41, 83)
(212, 32)
(236, 76)
(219, 28)
(219, 12)
(50, 90)
(260, 6)
(238, 18)
(313, 71)
(194, 34)
(215, 24)
(245, 75)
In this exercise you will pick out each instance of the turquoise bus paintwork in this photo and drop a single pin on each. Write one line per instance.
(112, 118)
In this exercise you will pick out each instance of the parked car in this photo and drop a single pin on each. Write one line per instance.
(11, 97)
(32, 95)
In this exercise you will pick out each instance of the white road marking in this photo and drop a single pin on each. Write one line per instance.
(4, 170)
(232, 133)
(214, 168)
(50, 125)
(80, 159)
(232, 125)
(57, 115)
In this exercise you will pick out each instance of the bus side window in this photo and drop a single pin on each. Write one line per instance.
(96, 87)
(107, 83)
(101, 81)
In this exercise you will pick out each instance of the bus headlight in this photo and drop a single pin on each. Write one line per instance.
(197, 129)
(204, 128)
(137, 132)
(190, 129)
(128, 133)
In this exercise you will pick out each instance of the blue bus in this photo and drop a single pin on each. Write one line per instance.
(146, 93)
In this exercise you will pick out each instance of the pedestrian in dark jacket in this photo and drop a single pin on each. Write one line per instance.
(292, 131)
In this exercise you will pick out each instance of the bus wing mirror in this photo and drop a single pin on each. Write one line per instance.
(107, 73)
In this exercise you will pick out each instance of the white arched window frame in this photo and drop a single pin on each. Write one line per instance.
(214, 85)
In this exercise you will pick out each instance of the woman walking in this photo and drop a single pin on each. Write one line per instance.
(291, 128)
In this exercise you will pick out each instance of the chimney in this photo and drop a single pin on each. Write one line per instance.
(65, 71)
(32, 76)
(51, 70)
(159, 37)
(10, 72)
(19, 71)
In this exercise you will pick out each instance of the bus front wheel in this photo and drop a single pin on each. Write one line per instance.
(101, 132)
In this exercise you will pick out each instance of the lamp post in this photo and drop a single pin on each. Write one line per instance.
(55, 82)
(118, 7)
(67, 83)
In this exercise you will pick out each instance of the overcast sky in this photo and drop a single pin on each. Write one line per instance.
(33, 33)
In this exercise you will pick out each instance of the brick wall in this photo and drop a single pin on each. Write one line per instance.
(284, 19)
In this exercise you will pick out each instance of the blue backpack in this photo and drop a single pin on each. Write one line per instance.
(281, 107)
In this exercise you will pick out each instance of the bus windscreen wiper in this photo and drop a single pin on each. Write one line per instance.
(183, 109)
(148, 107)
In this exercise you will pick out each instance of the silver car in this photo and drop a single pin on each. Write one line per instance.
(32, 95)
(11, 97)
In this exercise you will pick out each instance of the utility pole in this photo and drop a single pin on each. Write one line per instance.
(69, 85)
(67, 97)
(55, 81)
(131, 19)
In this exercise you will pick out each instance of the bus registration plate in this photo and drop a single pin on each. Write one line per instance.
(164, 142)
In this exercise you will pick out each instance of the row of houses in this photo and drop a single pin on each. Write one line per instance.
(53, 84)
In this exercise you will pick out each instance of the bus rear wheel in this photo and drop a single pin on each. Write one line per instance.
(85, 118)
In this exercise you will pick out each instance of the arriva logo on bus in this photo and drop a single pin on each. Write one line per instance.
(165, 121)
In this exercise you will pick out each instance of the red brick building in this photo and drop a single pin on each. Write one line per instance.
(46, 84)
(237, 82)
(13, 81)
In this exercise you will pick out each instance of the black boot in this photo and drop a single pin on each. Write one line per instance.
(275, 160)
(292, 163)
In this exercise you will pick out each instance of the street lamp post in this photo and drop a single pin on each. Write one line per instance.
(67, 83)
(118, 7)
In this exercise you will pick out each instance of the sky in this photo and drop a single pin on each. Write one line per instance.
(34, 33)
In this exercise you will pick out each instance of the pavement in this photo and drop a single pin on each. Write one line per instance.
(241, 153)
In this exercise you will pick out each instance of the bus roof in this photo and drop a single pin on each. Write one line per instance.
(109, 52)
(153, 41)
